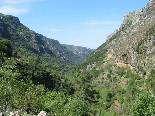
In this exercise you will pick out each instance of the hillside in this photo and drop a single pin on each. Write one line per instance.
(122, 68)
(117, 79)
(83, 52)
(132, 42)
(29, 43)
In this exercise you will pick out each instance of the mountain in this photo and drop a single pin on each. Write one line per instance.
(29, 43)
(117, 79)
(83, 52)
(132, 42)
(122, 68)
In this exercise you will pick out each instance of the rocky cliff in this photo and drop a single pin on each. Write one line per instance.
(134, 38)
(132, 43)
(117, 79)
(122, 68)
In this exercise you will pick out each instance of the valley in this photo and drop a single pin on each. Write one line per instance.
(117, 79)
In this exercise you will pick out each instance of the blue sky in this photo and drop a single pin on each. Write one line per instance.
(84, 23)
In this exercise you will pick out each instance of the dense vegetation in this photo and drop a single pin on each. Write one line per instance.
(83, 52)
(28, 43)
(28, 86)
(117, 79)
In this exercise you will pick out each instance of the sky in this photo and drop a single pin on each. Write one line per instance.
(84, 23)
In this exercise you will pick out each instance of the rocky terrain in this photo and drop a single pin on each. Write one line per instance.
(16, 113)
(126, 61)
(117, 79)
(134, 39)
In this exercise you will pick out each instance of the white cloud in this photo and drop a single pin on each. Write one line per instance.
(96, 22)
(12, 10)
(54, 29)
(15, 7)
(19, 1)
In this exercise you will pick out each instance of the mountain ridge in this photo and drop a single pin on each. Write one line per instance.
(122, 68)
(117, 79)
(83, 52)
(135, 24)
(29, 42)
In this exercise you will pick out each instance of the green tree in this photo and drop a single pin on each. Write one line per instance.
(5, 47)
(144, 105)
(54, 102)
(8, 85)
(77, 107)
(86, 88)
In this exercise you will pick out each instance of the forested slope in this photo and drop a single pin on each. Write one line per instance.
(121, 71)
(117, 79)
(28, 43)
(83, 52)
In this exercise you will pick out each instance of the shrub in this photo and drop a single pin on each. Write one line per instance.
(144, 105)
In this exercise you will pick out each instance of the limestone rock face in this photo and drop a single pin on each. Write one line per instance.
(140, 15)
(151, 1)
(115, 31)
(90, 67)
(131, 44)
(42, 113)
(135, 38)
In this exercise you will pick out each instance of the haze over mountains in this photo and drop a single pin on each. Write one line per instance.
(117, 79)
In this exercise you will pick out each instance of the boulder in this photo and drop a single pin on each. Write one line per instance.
(1, 114)
(42, 113)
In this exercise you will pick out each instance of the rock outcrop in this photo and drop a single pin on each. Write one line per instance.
(140, 15)
(129, 45)
(135, 37)
(42, 113)
(150, 2)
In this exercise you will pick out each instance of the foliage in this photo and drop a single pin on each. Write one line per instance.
(26, 85)
(144, 105)
(34, 76)
(29, 43)
(77, 107)
(85, 88)
(5, 47)
(54, 103)
(121, 72)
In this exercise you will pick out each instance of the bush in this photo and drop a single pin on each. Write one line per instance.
(54, 102)
(144, 105)
(77, 107)
(6, 47)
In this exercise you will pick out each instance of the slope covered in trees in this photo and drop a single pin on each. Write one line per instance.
(29, 43)
(28, 86)
(83, 52)
(122, 68)
(117, 79)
